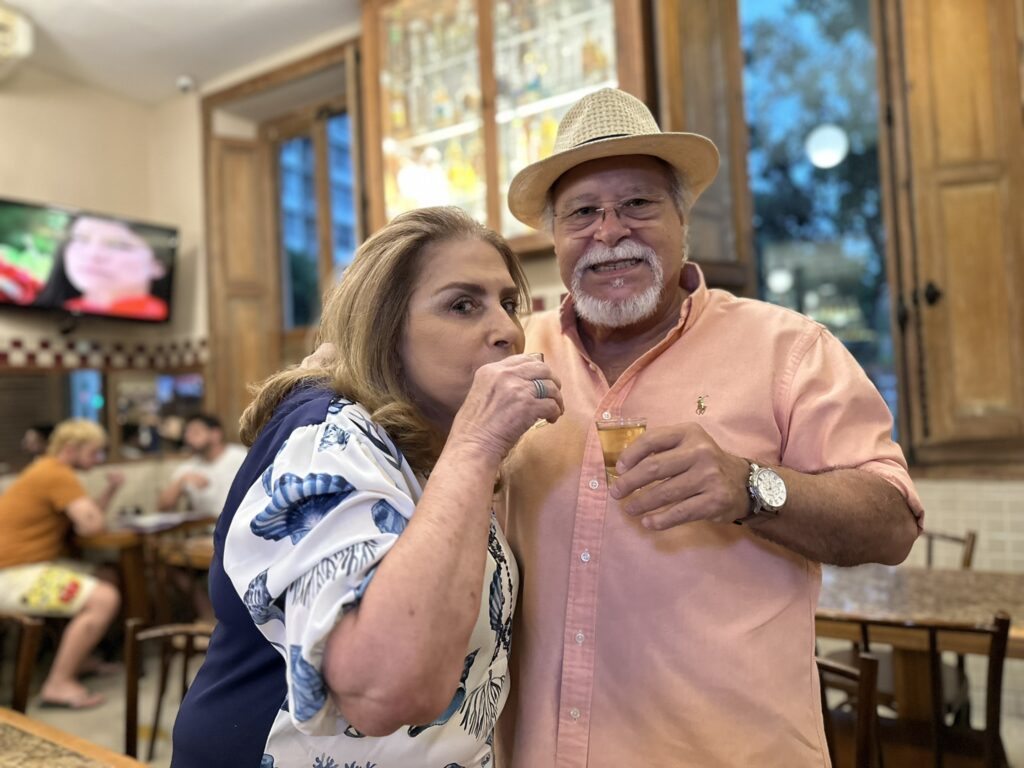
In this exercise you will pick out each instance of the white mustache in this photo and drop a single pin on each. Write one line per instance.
(600, 253)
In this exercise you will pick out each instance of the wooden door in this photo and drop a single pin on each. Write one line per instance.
(958, 157)
(244, 280)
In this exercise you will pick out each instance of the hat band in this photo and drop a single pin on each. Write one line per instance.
(602, 138)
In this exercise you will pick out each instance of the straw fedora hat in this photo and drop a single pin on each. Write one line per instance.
(608, 123)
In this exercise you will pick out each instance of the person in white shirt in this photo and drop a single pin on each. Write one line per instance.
(205, 478)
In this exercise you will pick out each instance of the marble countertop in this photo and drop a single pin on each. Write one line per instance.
(25, 741)
(921, 595)
(19, 748)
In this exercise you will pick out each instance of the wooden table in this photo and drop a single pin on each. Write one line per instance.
(129, 540)
(26, 743)
(912, 595)
(195, 552)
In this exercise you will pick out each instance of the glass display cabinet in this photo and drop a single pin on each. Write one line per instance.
(462, 94)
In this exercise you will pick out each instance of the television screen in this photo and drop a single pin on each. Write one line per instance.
(85, 263)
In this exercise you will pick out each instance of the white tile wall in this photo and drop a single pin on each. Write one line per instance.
(993, 508)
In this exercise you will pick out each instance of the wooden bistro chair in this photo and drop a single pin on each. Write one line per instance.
(966, 543)
(927, 737)
(867, 752)
(30, 632)
(956, 688)
(179, 633)
(185, 640)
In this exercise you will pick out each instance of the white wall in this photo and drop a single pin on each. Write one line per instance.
(70, 144)
(176, 195)
(66, 143)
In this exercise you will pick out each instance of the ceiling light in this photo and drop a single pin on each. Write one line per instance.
(16, 39)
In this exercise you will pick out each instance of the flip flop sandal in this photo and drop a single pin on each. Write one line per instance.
(89, 701)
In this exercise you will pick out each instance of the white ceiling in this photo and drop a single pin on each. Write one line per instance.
(139, 48)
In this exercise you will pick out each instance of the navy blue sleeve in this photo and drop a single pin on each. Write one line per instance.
(227, 714)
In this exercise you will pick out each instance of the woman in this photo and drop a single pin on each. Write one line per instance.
(104, 268)
(363, 590)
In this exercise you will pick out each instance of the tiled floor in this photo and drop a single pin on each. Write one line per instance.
(105, 724)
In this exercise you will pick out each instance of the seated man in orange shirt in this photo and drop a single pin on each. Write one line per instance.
(36, 512)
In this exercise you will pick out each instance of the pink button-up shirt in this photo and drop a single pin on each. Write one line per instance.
(692, 646)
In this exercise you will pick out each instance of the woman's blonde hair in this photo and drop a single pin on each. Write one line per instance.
(75, 432)
(364, 317)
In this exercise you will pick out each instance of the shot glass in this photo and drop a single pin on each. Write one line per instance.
(615, 436)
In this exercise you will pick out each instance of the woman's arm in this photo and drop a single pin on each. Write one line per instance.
(397, 659)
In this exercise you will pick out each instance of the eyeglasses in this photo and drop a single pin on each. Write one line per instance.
(635, 212)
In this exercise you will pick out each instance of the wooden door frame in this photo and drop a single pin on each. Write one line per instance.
(345, 54)
(897, 219)
(740, 275)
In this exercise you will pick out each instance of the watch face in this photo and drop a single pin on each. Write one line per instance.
(771, 488)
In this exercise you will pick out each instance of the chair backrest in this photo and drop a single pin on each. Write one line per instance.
(167, 550)
(30, 632)
(135, 636)
(966, 542)
(866, 747)
(943, 735)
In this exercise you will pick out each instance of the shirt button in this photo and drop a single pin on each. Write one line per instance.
(606, 415)
(574, 713)
(585, 556)
(580, 638)
(594, 484)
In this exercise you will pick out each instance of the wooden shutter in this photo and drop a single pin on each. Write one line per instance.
(959, 172)
(700, 89)
(244, 278)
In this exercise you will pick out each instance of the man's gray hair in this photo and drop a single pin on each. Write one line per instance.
(679, 191)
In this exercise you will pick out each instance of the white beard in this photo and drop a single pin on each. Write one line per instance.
(623, 312)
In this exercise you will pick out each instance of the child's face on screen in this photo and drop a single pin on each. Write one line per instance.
(106, 261)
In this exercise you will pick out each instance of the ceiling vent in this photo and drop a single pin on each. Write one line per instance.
(16, 40)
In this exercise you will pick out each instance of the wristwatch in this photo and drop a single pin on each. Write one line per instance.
(767, 492)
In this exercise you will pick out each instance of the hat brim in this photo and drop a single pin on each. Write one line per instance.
(693, 155)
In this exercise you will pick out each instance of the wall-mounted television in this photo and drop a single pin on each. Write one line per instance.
(85, 263)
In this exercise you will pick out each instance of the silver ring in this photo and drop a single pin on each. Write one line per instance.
(540, 390)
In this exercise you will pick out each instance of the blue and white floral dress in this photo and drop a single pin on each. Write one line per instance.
(304, 543)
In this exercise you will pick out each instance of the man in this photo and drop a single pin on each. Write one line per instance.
(33, 442)
(652, 630)
(36, 512)
(205, 478)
